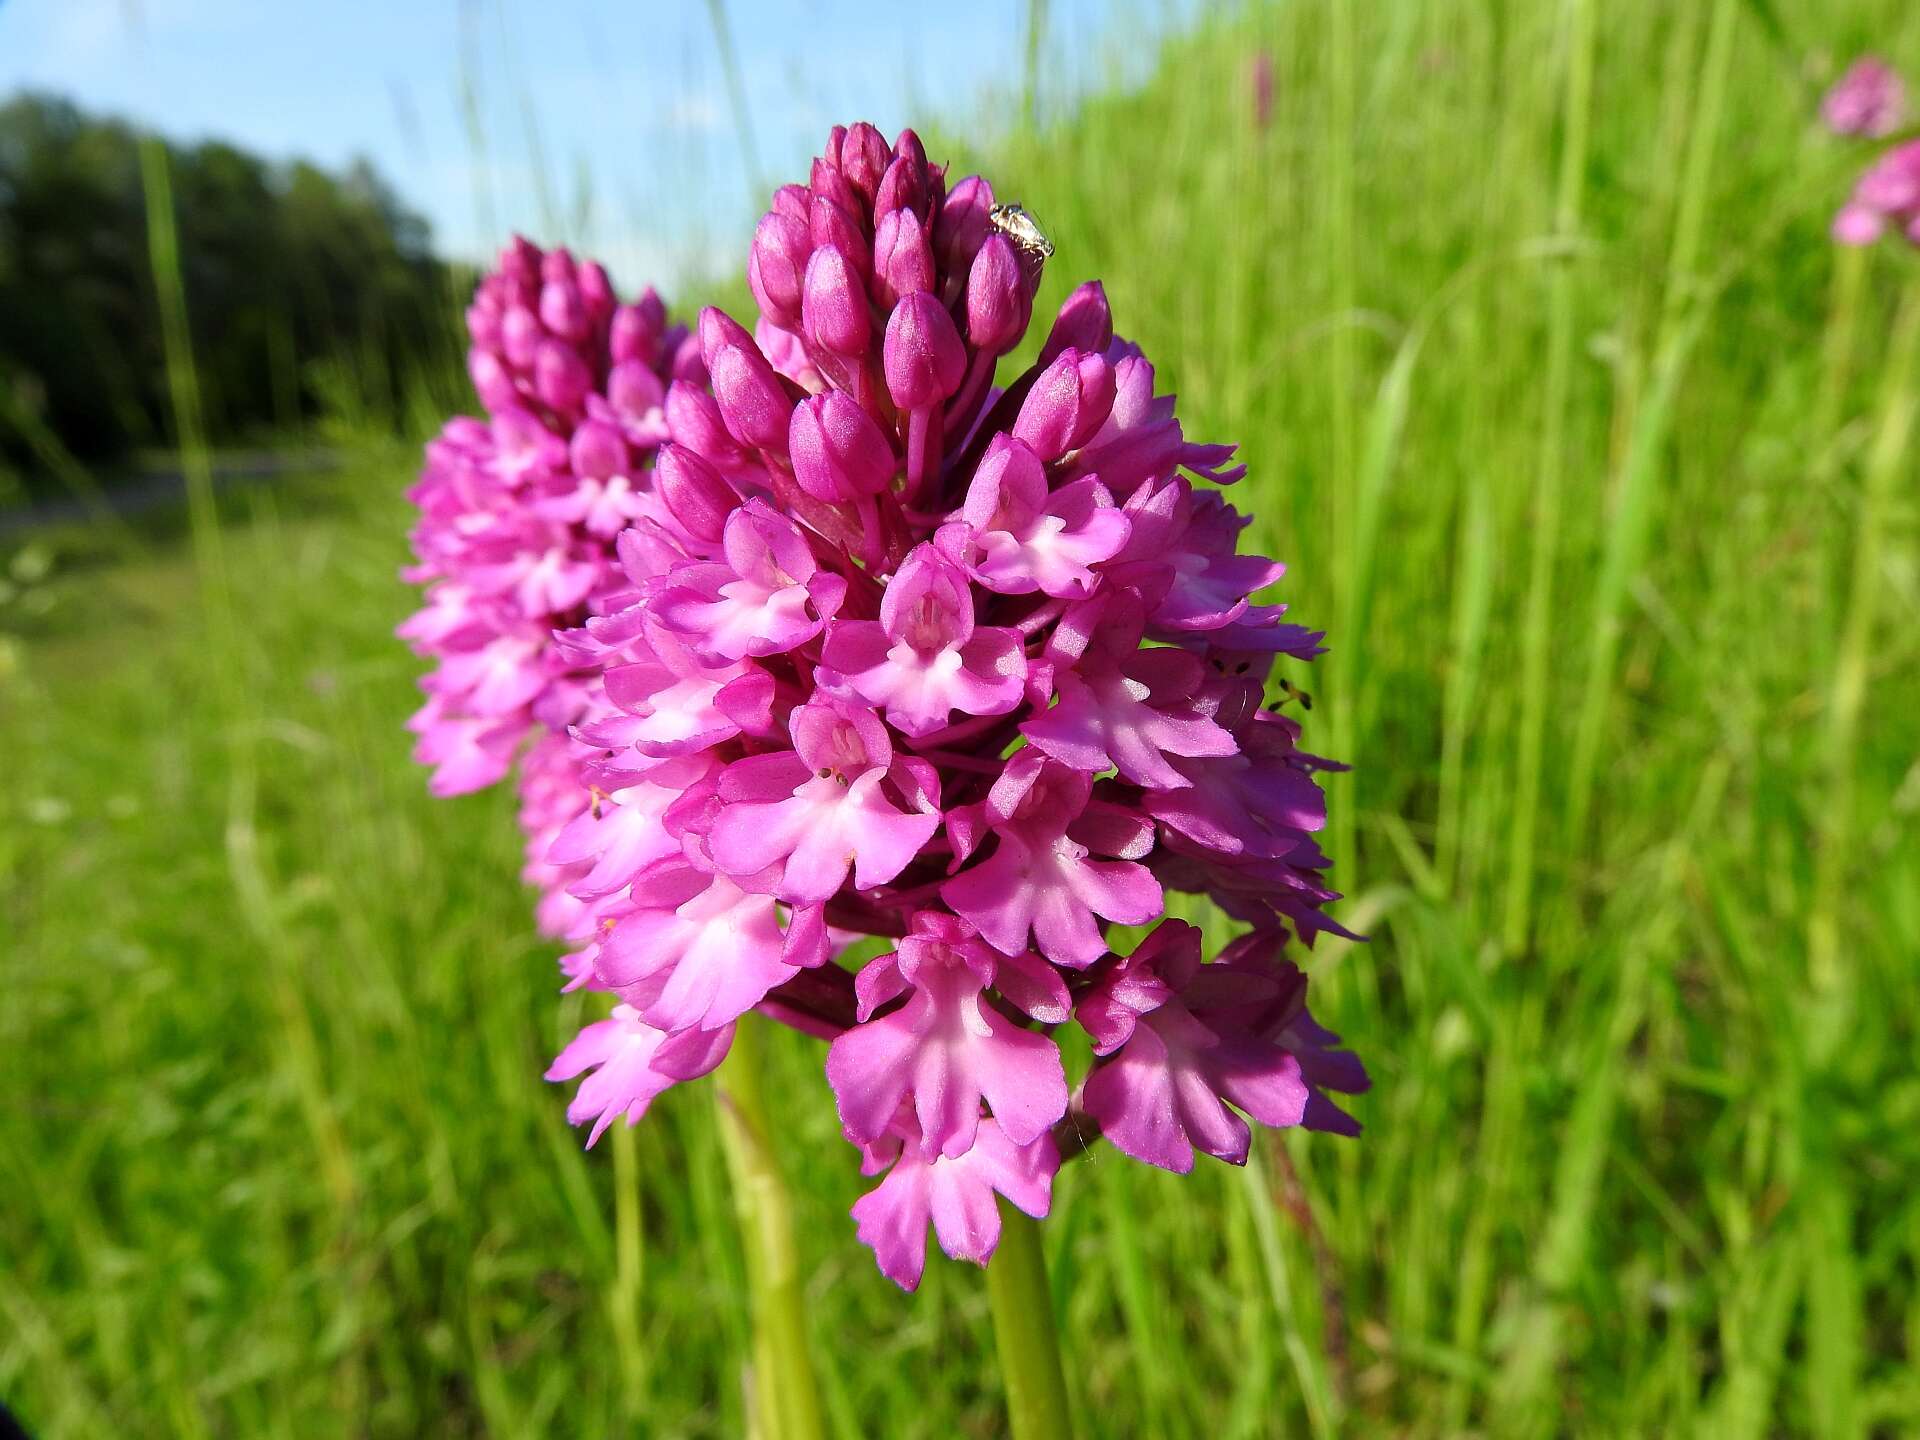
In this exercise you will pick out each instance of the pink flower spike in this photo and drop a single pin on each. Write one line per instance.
(954, 1194)
(768, 596)
(1020, 538)
(923, 659)
(838, 800)
(946, 1049)
(631, 1063)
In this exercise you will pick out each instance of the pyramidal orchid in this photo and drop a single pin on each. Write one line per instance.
(1870, 101)
(519, 515)
(892, 643)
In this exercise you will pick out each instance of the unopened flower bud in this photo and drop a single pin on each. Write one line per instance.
(777, 267)
(1067, 405)
(864, 157)
(687, 363)
(560, 377)
(483, 324)
(963, 224)
(520, 265)
(520, 336)
(634, 390)
(694, 418)
(491, 380)
(998, 301)
(693, 492)
(833, 227)
(922, 354)
(596, 291)
(827, 183)
(838, 452)
(834, 305)
(632, 335)
(597, 451)
(563, 310)
(1084, 322)
(902, 259)
(904, 187)
(793, 201)
(752, 401)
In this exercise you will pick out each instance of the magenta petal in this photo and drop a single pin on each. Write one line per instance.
(631, 1063)
(955, 1195)
(1132, 1097)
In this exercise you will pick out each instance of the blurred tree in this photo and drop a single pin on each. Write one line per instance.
(294, 278)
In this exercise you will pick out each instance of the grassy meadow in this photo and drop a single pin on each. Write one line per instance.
(1594, 457)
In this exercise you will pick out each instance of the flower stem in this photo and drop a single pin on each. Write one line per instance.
(785, 1396)
(1023, 1324)
(623, 1301)
(1884, 466)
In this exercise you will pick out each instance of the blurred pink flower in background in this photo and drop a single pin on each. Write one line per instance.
(1868, 100)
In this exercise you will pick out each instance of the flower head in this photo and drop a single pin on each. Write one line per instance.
(1868, 100)
(1886, 197)
(898, 645)
(519, 512)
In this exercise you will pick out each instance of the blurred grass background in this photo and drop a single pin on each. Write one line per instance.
(1593, 454)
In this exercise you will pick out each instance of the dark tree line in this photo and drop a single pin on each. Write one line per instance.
(298, 282)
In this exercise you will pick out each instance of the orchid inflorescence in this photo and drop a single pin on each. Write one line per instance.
(884, 648)
(1870, 101)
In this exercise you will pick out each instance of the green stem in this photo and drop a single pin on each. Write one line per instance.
(1023, 1325)
(786, 1396)
(1850, 672)
(1537, 632)
(1639, 492)
(629, 1260)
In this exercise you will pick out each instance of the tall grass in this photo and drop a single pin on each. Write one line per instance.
(1596, 459)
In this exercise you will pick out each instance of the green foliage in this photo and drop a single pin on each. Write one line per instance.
(285, 266)
(274, 1160)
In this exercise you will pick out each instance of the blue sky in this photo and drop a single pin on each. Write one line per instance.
(605, 123)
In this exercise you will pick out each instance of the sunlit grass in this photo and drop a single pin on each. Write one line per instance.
(274, 1157)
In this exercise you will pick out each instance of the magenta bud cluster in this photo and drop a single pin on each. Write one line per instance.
(895, 646)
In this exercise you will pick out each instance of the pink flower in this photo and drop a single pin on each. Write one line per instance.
(518, 512)
(1040, 881)
(1191, 1045)
(1019, 538)
(1122, 707)
(768, 595)
(948, 1048)
(700, 953)
(924, 658)
(837, 801)
(953, 1193)
(631, 1063)
(1887, 195)
(1868, 100)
